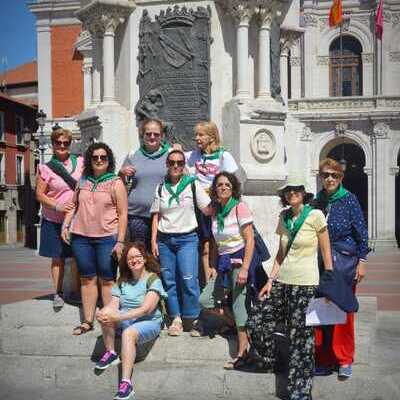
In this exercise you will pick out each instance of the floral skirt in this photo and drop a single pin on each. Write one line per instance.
(286, 307)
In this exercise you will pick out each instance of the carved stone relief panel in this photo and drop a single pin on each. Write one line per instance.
(263, 145)
(174, 70)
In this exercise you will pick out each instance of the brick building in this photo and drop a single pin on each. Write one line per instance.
(17, 170)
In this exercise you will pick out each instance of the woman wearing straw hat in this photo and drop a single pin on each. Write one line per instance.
(291, 286)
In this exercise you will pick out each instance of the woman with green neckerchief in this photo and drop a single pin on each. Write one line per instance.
(291, 285)
(144, 169)
(55, 185)
(175, 240)
(232, 228)
(348, 233)
(96, 228)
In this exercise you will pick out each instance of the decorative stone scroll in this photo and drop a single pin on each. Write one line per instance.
(381, 130)
(174, 70)
(263, 145)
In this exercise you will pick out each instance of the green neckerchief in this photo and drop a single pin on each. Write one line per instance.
(102, 178)
(60, 165)
(164, 147)
(184, 181)
(339, 194)
(222, 212)
(294, 227)
(213, 156)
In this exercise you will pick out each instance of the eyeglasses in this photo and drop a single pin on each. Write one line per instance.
(136, 257)
(222, 184)
(326, 175)
(173, 163)
(102, 157)
(62, 143)
(156, 135)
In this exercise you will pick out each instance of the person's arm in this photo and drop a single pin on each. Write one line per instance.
(121, 198)
(325, 246)
(127, 168)
(41, 197)
(68, 217)
(361, 237)
(112, 306)
(248, 235)
(154, 229)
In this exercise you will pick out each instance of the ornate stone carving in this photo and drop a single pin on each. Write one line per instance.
(174, 70)
(367, 58)
(306, 134)
(263, 145)
(387, 16)
(323, 24)
(290, 38)
(381, 130)
(310, 19)
(241, 11)
(323, 60)
(394, 56)
(367, 171)
(103, 17)
(295, 61)
(395, 19)
(362, 19)
(265, 17)
(341, 128)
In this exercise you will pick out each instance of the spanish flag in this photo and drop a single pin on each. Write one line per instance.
(335, 13)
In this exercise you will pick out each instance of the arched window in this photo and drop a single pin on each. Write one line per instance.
(345, 67)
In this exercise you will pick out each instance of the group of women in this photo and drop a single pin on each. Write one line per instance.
(177, 208)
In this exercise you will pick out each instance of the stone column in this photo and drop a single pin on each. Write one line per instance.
(367, 74)
(295, 70)
(96, 70)
(108, 60)
(242, 13)
(284, 73)
(310, 61)
(264, 62)
(87, 81)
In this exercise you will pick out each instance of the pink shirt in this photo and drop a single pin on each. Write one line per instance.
(57, 189)
(97, 214)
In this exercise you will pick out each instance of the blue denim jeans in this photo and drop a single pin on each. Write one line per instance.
(179, 258)
(94, 256)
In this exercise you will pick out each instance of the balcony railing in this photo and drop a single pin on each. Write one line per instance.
(345, 104)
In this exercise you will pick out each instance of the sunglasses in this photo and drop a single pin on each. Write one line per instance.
(62, 143)
(100, 158)
(296, 189)
(326, 175)
(173, 163)
(156, 135)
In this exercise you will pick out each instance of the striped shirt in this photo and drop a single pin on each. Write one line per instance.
(230, 240)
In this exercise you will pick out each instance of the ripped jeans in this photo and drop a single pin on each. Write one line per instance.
(179, 259)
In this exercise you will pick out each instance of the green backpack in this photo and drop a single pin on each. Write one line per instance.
(162, 304)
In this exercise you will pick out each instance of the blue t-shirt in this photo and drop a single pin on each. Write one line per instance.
(131, 295)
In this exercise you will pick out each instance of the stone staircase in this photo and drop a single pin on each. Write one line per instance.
(40, 359)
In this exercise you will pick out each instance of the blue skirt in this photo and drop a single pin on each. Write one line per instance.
(51, 244)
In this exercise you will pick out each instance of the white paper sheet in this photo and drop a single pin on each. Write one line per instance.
(321, 312)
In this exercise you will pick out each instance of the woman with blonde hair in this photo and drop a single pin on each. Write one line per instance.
(133, 310)
(206, 162)
(55, 185)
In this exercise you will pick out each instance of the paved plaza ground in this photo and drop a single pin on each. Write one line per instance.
(41, 360)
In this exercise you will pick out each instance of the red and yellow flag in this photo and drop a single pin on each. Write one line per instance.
(335, 13)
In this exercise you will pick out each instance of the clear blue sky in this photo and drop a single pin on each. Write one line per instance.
(17, 34)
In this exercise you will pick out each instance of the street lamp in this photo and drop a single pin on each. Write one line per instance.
(41, 120)
(27, 135)
(55, 127)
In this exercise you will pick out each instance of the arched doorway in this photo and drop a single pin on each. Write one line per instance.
(355, 178)
(345, 67)
(397, 202)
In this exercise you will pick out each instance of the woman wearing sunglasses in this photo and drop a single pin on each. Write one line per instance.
(349, 240)
(144, 169)
(97, 225)
(174, 239)
(55, 185)
(290, 287)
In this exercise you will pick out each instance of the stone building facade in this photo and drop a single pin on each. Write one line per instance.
(285, 89)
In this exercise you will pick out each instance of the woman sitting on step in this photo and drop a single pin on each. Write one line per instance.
(133, 310)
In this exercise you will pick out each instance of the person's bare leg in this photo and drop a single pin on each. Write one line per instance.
(243, 341)
(128, 351)
(57, 273)
(108, 337)
(76, 279)
(106, 287)
(205, 258)
(89, 297)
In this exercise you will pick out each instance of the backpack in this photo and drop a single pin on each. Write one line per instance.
(162, 303)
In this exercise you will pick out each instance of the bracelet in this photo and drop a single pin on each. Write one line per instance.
(120, 241)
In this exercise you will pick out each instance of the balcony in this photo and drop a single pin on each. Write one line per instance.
(355, 107)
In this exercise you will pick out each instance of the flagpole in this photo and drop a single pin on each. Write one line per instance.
(375, 57)
(341, 59)
(380, 68)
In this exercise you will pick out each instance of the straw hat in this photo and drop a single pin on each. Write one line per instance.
(294, 180)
